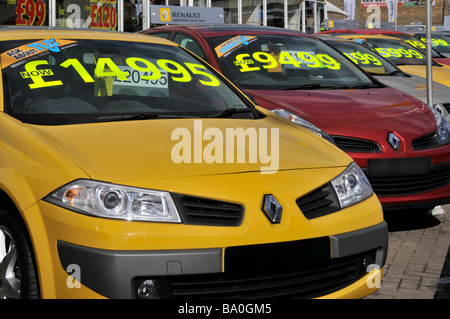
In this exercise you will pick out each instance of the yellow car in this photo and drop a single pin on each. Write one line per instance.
(132, 169)
(407, 57)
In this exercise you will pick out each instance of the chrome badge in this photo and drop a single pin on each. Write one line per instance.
(394, 140)
(272, 208)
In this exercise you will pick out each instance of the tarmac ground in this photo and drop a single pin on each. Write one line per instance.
(418, 260)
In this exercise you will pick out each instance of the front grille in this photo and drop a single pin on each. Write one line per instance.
(411, 184)
(307, 284)
(426, 142)
(322, 201)
(300, 269)
(350, 144)
(203, 211)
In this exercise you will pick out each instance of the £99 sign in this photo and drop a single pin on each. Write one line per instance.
(30, 12)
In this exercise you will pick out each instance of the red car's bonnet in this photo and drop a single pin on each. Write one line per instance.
(360, 113)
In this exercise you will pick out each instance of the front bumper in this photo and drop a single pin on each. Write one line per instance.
(229, 272)
(401, 188)
(110, 257)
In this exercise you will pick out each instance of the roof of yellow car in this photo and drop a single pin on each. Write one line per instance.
(17, 33)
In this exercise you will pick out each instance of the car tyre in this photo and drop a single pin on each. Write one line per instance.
(18, 275)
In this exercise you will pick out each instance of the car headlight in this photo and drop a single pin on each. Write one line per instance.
(443, 127)
(301, 121)
(115, 201)
(352, 186)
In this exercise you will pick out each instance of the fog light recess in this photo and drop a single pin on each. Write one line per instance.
(369, 262)
(148, 289)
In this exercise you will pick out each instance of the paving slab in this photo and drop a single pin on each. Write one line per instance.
(418, 260)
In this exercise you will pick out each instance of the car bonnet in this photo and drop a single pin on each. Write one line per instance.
(367, 113)
(147, 149)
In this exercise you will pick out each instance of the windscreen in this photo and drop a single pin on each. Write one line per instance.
(412, 40)
(439, 42)
(365, 58)
(396, 51)
(62, 81)
(279, 62)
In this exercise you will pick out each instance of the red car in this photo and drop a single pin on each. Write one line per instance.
(407, 37)
(401, 144)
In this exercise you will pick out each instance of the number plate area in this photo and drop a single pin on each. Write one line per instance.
(398, 166)
(277, 258)
(136, 84)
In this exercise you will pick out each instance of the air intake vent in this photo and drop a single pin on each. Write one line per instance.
(203, 211)
(301, 269)
(411, 184)
(350, 144)
(320, 202)
(426, 142)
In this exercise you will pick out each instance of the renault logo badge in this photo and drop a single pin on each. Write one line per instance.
(272, 208)
(394, 140)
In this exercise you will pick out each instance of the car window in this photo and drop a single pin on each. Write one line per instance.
(190, 44)
(280, 62)
(439, 42)
(164, 35)
(365, 58)
(62, 81)
(396, 51)
(412, 40)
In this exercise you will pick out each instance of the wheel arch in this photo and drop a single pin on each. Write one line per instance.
(8, 207)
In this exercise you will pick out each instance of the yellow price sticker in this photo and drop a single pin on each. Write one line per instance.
(398, 53)
(106, 68)
(290, 59)
(364, 58)
(36, 75)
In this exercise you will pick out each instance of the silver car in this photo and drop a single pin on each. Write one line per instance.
(390, 75)
(440, 41)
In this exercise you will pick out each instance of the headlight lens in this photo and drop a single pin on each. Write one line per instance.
(443, 127)
(301, 121)
(115, 201)
(352, 186)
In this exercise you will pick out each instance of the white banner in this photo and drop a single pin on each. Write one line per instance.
(391, 10)
(375, 3)
(349, 7)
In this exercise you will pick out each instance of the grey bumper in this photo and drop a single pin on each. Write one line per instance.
(110, 272)
(375, 237)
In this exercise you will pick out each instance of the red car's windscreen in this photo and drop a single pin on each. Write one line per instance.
(276, 62)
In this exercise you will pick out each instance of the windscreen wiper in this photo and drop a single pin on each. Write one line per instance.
(377, 74)
(315, 86)
(230, 111)
(395, 72)
(362, 86)
(139, 116)
(311, 86)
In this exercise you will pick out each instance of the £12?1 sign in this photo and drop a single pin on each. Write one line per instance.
(102, 15)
